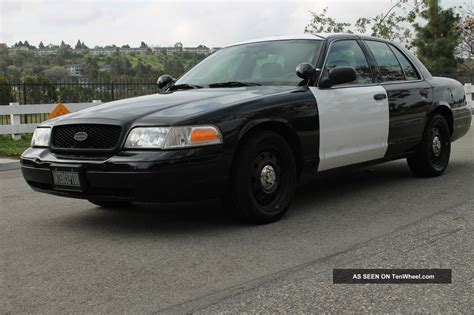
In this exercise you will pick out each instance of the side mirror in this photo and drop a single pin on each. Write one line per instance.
(305, 71)
(164, 80)
(339, 75)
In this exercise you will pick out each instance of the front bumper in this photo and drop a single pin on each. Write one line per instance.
(180, 175)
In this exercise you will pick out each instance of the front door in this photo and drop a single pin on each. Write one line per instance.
(353, 126)
(353, 118)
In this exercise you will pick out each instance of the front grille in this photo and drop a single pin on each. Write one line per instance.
(99, 137)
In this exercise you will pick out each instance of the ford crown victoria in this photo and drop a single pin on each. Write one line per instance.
(246, 122)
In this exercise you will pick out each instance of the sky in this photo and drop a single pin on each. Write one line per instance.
(214, 23)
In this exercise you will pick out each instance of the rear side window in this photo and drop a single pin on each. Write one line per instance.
(347, 53)
(410, 72)
(389, 67)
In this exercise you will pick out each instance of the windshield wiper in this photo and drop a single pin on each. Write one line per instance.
(184, 86)
(232, 84)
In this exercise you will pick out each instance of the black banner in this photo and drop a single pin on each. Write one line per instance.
(362, 276)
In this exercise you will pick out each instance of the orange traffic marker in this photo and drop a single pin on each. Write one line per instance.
(58, 111)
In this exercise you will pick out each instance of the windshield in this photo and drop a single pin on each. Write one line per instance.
(263, 63)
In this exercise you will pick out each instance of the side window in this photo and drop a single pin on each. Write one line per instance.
(410, 72)
(389, 67)
(347, 53)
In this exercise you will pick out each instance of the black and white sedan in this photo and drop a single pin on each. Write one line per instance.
(247, 121)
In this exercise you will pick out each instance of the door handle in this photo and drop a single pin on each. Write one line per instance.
(379, 97)
(424, 92)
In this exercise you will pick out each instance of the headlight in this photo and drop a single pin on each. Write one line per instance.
(41, 137)
(172, 137)
(146, 138)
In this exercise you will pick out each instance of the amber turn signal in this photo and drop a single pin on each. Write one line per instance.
(204, 134)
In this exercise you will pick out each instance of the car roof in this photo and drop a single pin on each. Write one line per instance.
(280, 37)
(318, 36)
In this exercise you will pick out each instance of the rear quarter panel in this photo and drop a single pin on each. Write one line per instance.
(450, 93)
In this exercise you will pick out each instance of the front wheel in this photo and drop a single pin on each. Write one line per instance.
(432, 156)
(264, 178)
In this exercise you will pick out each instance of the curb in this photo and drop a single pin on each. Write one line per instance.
(9, 165)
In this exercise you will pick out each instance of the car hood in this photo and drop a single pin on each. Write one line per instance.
(170, 108)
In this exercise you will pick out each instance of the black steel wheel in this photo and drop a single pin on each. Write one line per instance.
(432, 156)
(263, 178)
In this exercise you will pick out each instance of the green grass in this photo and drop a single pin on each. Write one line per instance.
(13, 149)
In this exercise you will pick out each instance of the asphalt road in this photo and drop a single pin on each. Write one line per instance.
(59, 255)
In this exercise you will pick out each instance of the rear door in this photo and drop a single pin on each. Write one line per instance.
(409, 96)
(353, 118)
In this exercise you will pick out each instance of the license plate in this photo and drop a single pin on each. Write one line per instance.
(67, 179)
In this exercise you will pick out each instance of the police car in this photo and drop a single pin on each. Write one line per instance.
(246, 122)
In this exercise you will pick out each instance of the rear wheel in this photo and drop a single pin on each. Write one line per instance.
(264, 178)
(110, 204)
(432, 156)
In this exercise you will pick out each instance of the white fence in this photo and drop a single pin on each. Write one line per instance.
(15, 110)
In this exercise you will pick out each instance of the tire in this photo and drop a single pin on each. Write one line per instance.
(432, 156)
(263, 179)
(110, 204)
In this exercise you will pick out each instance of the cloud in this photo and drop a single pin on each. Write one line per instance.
(164, 22)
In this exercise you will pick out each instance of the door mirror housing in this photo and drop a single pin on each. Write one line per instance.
(305, 71)
(339, 75)
(165, 80)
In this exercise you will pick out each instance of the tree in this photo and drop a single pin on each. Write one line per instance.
(466, 28)
(395, 24)
(3, 50)
(35, 95)
(173, 66)
(5, 91)
(436, 42)
(78, 44)
(56, 74)
(64, 52)
(13, 73)
(91, 67)
(143, 45)
(321, 23)
(142, 71)
(121, 65)
(41, 45)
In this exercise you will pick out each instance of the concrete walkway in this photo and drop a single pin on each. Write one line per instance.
(9, 164)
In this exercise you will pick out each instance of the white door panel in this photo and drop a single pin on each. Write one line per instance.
(353, 125)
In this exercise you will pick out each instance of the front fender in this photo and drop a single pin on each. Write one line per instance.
(262, 122)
